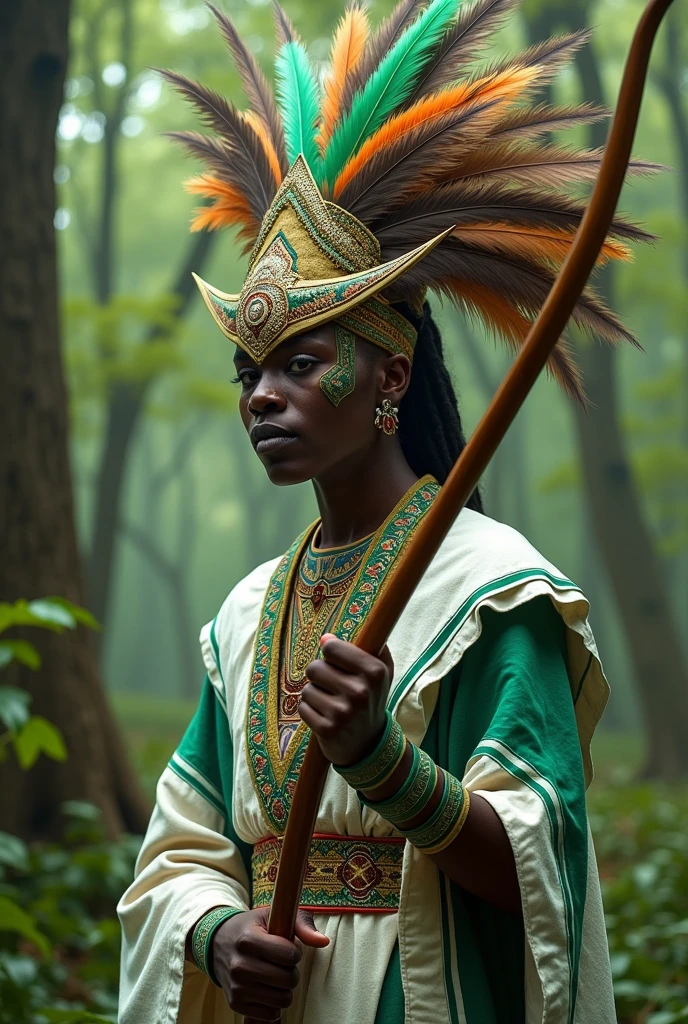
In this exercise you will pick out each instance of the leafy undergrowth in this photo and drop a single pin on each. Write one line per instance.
(59, 936)
(641, 839)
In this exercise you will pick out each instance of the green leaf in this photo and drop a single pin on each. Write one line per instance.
(19, 650)
(14, 707)
(14, 919)
(19, 614)
(39, 736)
(14, 853)
(82, 615)
(48, 610)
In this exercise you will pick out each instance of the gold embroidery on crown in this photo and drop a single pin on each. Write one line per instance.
(263, 307)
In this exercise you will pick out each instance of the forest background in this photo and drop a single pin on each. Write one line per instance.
(135, 494)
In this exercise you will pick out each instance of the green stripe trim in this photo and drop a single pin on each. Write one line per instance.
(197, 786)
(572, 929)
(458, 619)
(446, 949)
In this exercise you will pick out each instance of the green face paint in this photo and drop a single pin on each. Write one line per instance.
(340, 380)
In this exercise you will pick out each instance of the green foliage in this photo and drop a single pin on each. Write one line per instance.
(59, 936)
(32, 735)
(641, 838)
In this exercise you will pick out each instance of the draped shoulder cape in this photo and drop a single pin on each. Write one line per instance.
(497, 676)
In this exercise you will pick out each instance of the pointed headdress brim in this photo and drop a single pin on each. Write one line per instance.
(271, 311)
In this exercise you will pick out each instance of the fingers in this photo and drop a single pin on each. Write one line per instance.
(350, 658)
(305, 930)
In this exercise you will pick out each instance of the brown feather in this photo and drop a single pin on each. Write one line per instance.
(507, 323)
(547, 245)
(520, 281)
(548, 167)
(549, 56)
(261, 131)
(347, 50)
(378, 46)
(408, 162)
(284, 30)
(250, 166)
(427, 214)
(528, 123)
(255, 85)
(462, 44)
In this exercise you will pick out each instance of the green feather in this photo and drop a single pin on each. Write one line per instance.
(389, 86)
(299, 101)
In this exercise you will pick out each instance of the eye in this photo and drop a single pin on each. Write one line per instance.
(246, 377)
(301, 364)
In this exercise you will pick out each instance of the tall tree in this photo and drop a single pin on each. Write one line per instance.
(37, 531)
(616, 513)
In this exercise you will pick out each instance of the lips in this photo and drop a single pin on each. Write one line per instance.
(267, 437)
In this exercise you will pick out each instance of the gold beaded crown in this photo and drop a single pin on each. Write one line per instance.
(409, 168)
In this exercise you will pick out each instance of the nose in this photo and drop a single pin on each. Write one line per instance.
(266, 397)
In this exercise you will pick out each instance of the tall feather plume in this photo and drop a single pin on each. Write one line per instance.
(462, 44)
(258, 126)
(413, 158)
(493, 89)
(347, 49)
(299, 101)
(388, 86)
(247, 166)
(378, 46)
(255, 85)
(284, 30)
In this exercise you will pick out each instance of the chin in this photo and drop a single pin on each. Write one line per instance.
(285, 473)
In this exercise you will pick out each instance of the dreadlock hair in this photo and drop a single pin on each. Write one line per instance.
(430, 429)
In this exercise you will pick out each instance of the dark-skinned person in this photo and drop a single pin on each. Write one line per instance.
(452, 877)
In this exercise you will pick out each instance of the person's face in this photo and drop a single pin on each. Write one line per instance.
(296, 431)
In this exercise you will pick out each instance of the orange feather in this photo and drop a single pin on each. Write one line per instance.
(259, 128)
(506, 321)
(550, 245)
(347, 49)
(499, 87)
(228, 209)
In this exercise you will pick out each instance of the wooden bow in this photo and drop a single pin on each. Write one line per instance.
(474, 459)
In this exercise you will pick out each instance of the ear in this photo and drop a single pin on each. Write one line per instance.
(394, 379)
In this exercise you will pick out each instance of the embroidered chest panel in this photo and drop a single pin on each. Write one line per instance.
(321, 585)
(274, 778)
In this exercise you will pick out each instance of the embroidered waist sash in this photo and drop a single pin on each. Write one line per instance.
(345, 874)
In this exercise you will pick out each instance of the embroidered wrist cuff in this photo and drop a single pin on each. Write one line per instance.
(375, 769)
(414, 793)
(203, 934)
(445, 823)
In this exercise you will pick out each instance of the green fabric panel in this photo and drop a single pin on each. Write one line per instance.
(390, 1009)
(512, 686)
(207, 746)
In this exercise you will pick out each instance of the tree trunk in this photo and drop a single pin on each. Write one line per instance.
(37, 531)
(616, 512)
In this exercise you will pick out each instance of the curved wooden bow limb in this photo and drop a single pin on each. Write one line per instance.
(478, 452)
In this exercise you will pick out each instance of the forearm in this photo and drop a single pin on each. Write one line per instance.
(480, 858)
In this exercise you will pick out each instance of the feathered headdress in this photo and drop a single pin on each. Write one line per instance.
(407, 169)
